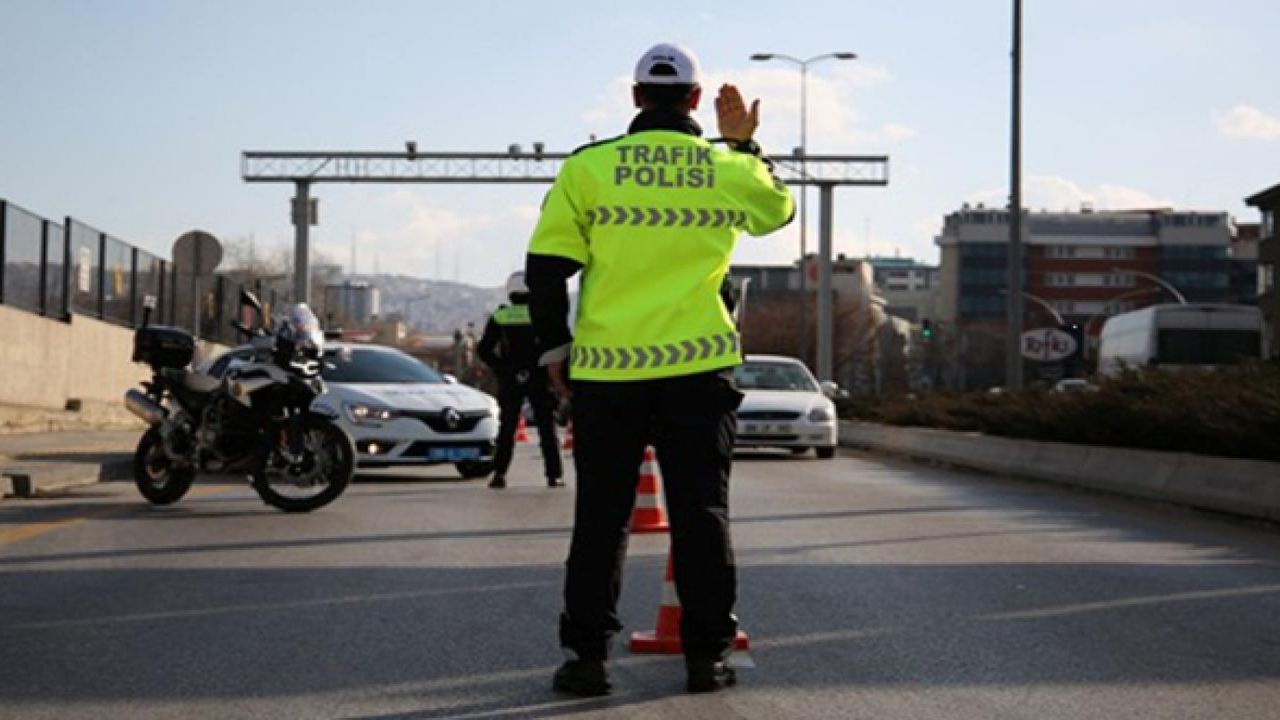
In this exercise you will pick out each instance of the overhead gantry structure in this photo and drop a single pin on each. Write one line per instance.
(516, 166)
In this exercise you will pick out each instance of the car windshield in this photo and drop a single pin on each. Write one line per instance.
(356, 365)
(774, 376)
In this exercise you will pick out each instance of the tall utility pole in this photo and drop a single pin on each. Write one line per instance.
(825, 348)
(304, 216)
(1013, 341)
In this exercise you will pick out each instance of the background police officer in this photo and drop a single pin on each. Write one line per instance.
(508, 347)
(651, 219)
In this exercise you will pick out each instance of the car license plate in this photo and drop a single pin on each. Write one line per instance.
(454, 454)
(767, 428)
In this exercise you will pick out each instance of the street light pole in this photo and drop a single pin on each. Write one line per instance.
(1057, 316)
(804, 214)
(1182, 300)
(804, 175)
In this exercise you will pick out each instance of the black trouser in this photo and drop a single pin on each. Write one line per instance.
(691, 422)
(512, 391)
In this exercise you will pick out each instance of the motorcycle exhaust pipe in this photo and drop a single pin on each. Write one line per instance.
(137, 402)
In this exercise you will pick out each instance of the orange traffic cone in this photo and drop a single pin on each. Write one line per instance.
(649, 515)
(568, 438)
(665, 638)
(522, 431)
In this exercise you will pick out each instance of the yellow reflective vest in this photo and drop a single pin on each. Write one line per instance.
(653, 216)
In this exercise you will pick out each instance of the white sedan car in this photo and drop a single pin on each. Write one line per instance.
(784, 407)
(400, 411)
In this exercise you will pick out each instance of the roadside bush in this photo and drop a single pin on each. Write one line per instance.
(1232, 412)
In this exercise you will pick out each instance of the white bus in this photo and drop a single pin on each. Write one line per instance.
(1196, 334)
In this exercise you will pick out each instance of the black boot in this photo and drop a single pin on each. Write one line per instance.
(498, 482)
(585, 678)
(708, 675)
(555, 482)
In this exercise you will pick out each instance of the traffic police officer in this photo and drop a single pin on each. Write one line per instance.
(508, 347)
(651, 219)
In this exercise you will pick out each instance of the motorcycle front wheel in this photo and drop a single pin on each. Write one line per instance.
(315, 480)
(159, 480)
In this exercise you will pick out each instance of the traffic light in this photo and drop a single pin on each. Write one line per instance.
(926, 329)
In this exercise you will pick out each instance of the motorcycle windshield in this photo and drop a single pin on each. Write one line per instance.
(304, 329)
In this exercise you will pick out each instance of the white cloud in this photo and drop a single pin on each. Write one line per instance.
(414, 234)
(1245, 122)
(1051, 192)
(835, 119)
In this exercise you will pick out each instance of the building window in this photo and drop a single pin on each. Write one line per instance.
(1061, 251)
(1266, 278)
(1061, 280)
(1268, 223)
(1119, 280)
(1119, 253)
(987, 250)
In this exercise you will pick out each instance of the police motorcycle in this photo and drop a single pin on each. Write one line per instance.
(256, 420)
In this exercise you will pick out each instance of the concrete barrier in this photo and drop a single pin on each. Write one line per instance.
(39, 478)
(66, 374)
(1242, 487)
(1245, 487)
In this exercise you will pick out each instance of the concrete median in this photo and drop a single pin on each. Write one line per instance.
(40, 464)
(1250, 488)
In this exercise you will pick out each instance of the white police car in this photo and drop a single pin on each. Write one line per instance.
(400, 411)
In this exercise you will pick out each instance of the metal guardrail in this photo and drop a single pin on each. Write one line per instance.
(60, 269)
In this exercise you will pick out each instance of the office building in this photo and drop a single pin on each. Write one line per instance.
(1084, 265)
(1268, 203)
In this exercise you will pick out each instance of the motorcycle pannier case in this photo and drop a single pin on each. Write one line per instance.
(163, 347)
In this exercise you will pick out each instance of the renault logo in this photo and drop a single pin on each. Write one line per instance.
(452, 418)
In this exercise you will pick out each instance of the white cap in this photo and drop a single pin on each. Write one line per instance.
(668, 64)
(515, 284)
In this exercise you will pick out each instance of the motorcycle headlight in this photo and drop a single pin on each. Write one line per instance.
(370, 413)
(820, 414)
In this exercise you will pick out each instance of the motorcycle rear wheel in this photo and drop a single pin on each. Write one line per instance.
(154, 473)
(326, 444)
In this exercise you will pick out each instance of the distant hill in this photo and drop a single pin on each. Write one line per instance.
(443, 307)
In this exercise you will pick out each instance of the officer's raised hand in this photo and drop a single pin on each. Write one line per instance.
(735, 121)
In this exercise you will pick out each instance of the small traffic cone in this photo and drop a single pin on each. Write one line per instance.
(665, 638)
(649, 516)
(568, 438)
(522, 431)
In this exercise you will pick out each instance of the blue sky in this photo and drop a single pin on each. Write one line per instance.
(131, 115)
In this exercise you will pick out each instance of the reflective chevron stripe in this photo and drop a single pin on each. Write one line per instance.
(512, 315)
(655, 356)
(636, 216)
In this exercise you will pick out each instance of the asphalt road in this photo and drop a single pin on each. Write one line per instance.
(872, 588)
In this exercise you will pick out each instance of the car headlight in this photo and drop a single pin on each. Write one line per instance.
(821, 414)
(370, 413)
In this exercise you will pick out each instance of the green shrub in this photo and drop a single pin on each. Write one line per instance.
(1233, 412)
